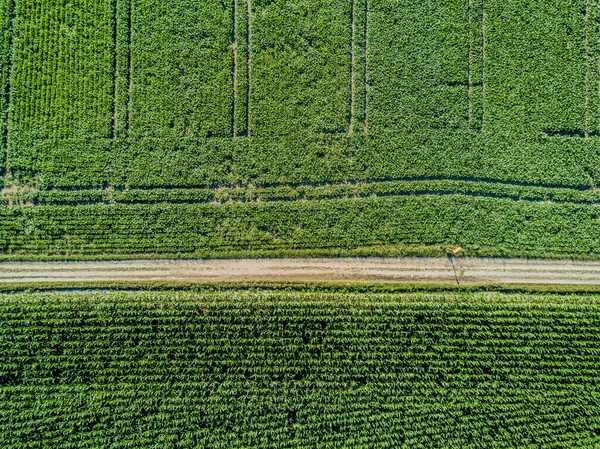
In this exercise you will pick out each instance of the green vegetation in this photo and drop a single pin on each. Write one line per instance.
(212, 228)
(300, 67)
(181, 80)
(61, 77)
(134, 125)
(290, 369)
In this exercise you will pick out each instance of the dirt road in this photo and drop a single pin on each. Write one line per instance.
(435, 270)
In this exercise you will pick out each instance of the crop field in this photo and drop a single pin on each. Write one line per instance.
(176, 127)
(190, 129)
(292, 369)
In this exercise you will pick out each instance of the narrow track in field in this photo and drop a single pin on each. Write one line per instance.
(372, 269)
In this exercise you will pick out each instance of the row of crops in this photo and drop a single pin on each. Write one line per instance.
(482, 224)
(121, 91)
(276, 369)
(298, 125)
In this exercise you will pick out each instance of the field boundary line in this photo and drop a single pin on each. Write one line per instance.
(342, 196)
(307, 192)
(474, 180)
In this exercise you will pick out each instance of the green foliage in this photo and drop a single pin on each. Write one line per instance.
(354, 190)
(418, 66)
(483, 224)
(449, 109)
(297, 369)
(6, 23)
(240, 46)
(300, 67)
(123, 28)
(62, 70)
(181, 83)
(426, 81)
(536, 66)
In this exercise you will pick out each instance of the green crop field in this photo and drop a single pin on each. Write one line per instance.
(291, 369)
(219, 127)
(264, 128)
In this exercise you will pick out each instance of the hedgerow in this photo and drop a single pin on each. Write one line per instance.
(235, 369)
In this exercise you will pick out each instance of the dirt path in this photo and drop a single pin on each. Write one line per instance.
(437, 270)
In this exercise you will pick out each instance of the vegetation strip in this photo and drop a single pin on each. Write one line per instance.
(294, 286)
(366, 64)
(129, 64)
(587, 71)
(483, 64)
(356, 189)
(469, 65)
(7, 15)
(352, 67)
(116, 68)
(234, 32)
(373, 225)
(248, 63)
